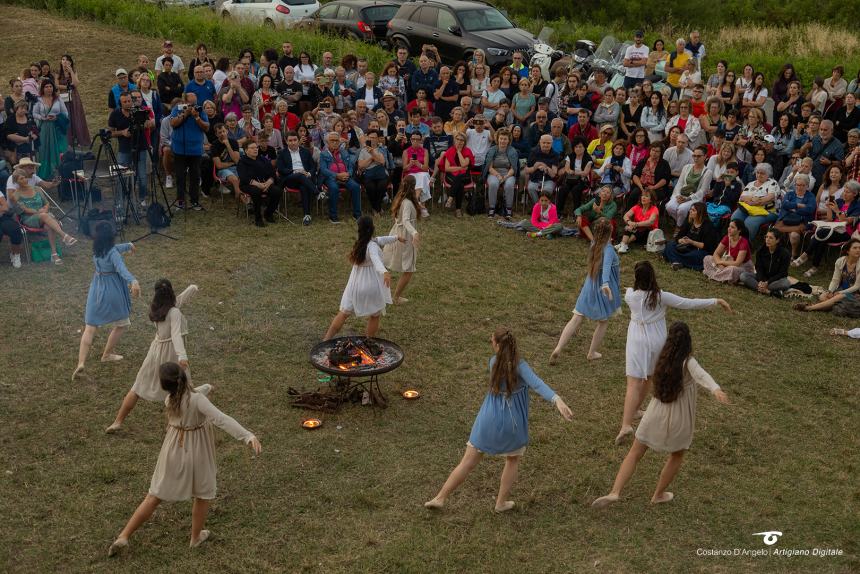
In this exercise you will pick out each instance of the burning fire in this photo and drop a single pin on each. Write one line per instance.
(361, 360)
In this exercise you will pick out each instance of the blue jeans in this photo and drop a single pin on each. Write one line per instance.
(753, 222)
(124, 158)
(334, 194)
(693, 259)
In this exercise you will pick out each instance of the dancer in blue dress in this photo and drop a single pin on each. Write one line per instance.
(600, 297)
(502, 425)
(108, 301)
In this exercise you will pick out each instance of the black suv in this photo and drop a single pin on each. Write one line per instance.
(458, 28)
(357, 19)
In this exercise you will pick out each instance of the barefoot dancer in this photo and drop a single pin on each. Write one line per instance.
(168, 347)
(646, 335)
(108, 301)
(671, 417)
(186, 464)
(600, 297)
(368, 290)
(502, 425)
(401, 255)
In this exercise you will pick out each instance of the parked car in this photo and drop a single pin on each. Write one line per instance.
(272, 13)
(357, 19)
(190, 3)
(458, 28)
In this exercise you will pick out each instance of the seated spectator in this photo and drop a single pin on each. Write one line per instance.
(538, 128)
(639, 221)
(336, 168)
(10, 228)
(845, 210)
(457, 123)
(231, 122)
(783, 142)
(751, 136)
(639, 147)
(249, 124)
(601, 148)
(169, 83)
(654, 118)
(724, 195)
(542, 168)
(583, 128)
(437, 143)
(257, 180)
(416, 162)
(374, 164)
(560, 143)
(796, 212)
(296, 169)
(265, 151)
(225, 155)
(601, 206)
(576, 176)
(732, 257)
(479, 138)
(695, 240)
(34, 208)
(845, 281)
(687, 123)
(544, 220)
(415, 124)
(653, 174)
(390, 81)
(520, 142)
(690, 78)
(284, 120)
(717, 163)
(691, 187)
(797, 167)
(270, 135)
(455, 165)
(771, 267)
(608, 111)
(757, 206)
(616, 171)
(831, 187)
(500, 171)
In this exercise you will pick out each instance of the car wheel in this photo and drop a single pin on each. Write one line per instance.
(269, 24)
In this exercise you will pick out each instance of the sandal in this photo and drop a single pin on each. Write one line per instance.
(800, 307)
(68, 240)
(837, 331)
(810, 272)
(55, 259)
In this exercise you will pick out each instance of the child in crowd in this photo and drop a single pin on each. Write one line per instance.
(502, 425)
(544, 221)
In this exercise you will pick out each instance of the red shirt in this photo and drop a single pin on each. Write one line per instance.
(292, 122)
(589, 134)
(640, 216)
(451, 159)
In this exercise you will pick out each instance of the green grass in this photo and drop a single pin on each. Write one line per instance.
(782, 457)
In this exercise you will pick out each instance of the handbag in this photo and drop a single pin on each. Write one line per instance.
(656, 241)
(752, 210)
(824, 230)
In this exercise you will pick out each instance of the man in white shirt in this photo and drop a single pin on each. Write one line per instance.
(635, 58)
(677, 157)
(29, 167)
(478, 139)
(167, 49)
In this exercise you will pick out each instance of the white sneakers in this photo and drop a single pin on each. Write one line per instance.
(168, 181)
(16, 260)
(622, 248)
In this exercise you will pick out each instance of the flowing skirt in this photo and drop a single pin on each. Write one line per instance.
(53, 144)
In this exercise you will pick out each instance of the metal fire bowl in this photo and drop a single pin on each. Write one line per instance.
(390, 359)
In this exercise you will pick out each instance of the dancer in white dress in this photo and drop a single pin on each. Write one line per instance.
(368, 290)
(669, 422)
(167, 347)
(400, 256)
(646, 335)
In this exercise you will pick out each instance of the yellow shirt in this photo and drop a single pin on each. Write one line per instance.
(674, 79)
(599, 152)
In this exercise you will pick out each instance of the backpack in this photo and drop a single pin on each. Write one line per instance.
(475, 204)
(90, 219)
(847, 308)
(656, 241)
(157, 216)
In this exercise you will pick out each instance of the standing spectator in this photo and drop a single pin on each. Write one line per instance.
(204, 89)
(52, 120)
(122, 86)
(165, 153)
(201, 57)
(21, 133)
(287, 58)
(635, 59)
(846, 118)
(186, 143)
(68, 84)
(296, 168)
(151, 98)
(167, 52)
(695, 46)
(425, 77)
(170, 86)
(676, 63)
(405, 68)
(657, 54)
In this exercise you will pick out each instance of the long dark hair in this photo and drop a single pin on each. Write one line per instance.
(173, 380)
(103, 239)
(669, 373)
(645, 279)
(507, 359)
(365, 234)
(163, 300)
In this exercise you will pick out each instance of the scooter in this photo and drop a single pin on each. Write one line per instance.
(545, 56)
(583, 55)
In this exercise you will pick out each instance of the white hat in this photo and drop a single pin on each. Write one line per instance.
(26, 162)
(120, 72)
(388, 94)
(769, 139)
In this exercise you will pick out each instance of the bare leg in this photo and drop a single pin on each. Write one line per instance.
(372, 326)
(50, 223)
(597, 339)
(141, 515)
(52, 240)
(471, 458)
(794, 238)
(86, 343)
(632, 400)
(509, 476)
(199, 512)
(569, 331)
(128, 404)
(336, 325)
(113, 339)
(586, 231)
(644, 391)
(628, 467)
(827, 304)
(670, 470)
(401, 286)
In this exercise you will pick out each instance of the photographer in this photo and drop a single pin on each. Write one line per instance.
(129, 126)
(225, 155)
(190, 125)
(374, 162)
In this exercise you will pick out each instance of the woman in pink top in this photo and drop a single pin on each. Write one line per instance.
(544, 221)
(416, 163)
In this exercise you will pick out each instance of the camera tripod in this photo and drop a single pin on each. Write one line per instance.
(155, 186)
(114, 175)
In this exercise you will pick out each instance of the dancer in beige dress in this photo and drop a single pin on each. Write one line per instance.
(186, 464)
(668, 423)
(401, 255)
(167, 347)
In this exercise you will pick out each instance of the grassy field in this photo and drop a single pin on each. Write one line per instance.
(347, 498)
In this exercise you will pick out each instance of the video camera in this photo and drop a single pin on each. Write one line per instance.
(138, 117)
(182, 107)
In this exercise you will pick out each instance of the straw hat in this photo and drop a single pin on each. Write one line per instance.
(26, 162)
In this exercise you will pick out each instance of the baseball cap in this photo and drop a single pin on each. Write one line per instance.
(769, 139)
(120, 72)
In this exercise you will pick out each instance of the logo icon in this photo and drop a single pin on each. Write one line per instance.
(770, 537)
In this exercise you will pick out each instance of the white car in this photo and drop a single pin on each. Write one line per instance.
(272, 13)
